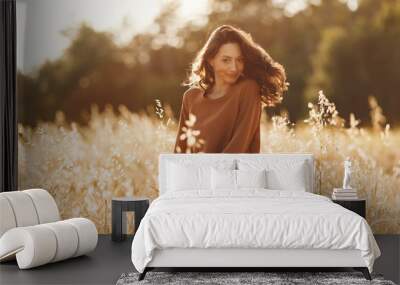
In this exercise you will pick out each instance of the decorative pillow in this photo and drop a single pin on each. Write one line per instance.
(293, 179)
(223, 179)
(236, 179)
(251, 178)
(179, 173)
(181, 177)
(290, 175)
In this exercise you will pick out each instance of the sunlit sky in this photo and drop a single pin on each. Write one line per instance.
(42, 40)
(40, 22)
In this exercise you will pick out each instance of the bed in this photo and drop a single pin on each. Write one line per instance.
(247, 210)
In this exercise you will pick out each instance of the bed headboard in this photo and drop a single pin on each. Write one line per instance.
(209, 158)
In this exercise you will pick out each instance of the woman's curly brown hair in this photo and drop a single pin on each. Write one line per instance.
(258, 64)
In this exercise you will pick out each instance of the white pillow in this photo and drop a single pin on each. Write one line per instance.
(236, 179)
(293, 179)
(223, 179)
(287, 174)
(251, 178)
(182, 177)
(179, 172)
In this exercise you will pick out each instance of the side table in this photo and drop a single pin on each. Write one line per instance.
(119, 207)
(357, 205)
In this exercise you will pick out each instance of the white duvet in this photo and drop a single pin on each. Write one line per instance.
(251, 218)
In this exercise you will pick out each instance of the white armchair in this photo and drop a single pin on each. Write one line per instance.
(31, 230)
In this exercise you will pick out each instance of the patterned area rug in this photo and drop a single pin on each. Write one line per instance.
(275, 278)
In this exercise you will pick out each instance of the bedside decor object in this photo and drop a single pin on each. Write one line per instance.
(31, 230)
(358, 206)
(347, 174)
(121, 205)
(344, 194)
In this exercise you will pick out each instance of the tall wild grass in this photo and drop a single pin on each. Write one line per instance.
(116, 154)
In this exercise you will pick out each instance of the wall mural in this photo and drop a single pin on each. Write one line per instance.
(95, 111)
(117, 155)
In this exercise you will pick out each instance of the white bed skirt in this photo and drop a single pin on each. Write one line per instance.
(234, 257)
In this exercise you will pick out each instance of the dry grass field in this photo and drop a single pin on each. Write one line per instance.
(117, 155)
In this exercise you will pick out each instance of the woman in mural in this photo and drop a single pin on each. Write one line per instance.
(231, 78)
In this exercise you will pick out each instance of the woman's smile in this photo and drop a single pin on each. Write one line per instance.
(231, 78)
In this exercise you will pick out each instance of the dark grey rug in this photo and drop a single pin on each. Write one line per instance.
(229, 278)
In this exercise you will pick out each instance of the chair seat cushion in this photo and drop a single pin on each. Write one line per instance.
(44, 243)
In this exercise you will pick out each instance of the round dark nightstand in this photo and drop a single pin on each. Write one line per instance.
(119, 206)
(356, 205)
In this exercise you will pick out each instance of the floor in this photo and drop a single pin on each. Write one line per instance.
(111, 259)
(103, 266)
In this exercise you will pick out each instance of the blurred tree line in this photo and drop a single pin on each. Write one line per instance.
(349, 54)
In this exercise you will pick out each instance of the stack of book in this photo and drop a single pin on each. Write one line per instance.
(344, 194)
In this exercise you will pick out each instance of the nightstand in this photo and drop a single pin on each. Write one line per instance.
(119, 206)
(357, 205)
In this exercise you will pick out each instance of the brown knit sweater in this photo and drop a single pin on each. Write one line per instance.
(228, 124)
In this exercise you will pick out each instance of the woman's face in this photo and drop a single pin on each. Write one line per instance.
(228, 63)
